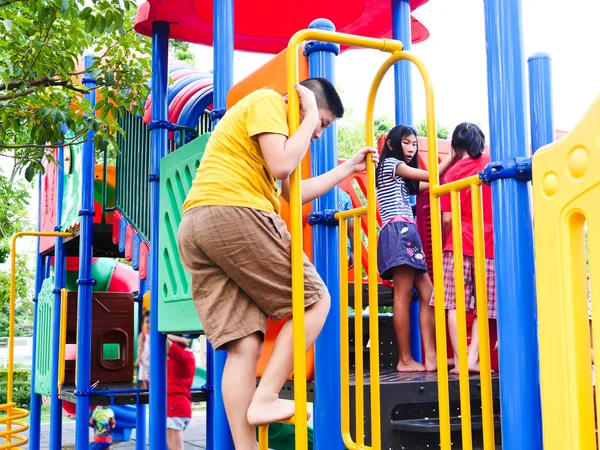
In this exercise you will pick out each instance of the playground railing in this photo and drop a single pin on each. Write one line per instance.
(566, 193)
(13, 427)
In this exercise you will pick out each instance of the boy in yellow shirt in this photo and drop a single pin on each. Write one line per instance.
(237, 248)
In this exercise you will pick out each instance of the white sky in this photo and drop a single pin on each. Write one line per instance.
(455, 56)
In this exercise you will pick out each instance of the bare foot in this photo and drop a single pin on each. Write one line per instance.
(455, 364)
(450, 362)
(431, 365)
(474, 367)
(271, 410)
(410, 366)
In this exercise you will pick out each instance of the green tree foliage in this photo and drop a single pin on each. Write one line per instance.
(351, 135)
(42, 43)
(14, 218)
(442, 130)
(181, 51)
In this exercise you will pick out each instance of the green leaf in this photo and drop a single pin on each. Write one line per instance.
(100, 24)
(30, 172)
(85, 13)
(9, 65)
(8, 25)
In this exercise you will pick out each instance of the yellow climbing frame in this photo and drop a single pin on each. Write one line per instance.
(566, 186)
(11, 435)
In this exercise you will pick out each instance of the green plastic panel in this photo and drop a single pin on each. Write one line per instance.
(176, 311)
(44, 337)
(72, 195)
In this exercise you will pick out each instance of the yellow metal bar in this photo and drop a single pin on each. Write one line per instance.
(263, 437)
(296, 220)
(359, 383)
(461, 320)
(457, 185)
(12, 413)
(63, 338)
(348, 214)
(485, 365)
(372, 242)
(345, 336)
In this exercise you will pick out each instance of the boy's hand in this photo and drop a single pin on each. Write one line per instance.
(359, 160)
(308, 103)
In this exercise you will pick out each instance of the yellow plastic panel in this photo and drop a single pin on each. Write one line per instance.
(566, 193)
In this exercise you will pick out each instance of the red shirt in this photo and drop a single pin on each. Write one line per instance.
(180, 377)
(467, 167)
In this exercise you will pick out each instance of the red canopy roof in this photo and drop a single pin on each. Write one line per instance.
(266, 26)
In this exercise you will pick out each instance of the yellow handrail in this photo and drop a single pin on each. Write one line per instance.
(64, 296)
(296, 211)
(13, 414)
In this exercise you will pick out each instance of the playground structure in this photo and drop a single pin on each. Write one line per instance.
(358, 403)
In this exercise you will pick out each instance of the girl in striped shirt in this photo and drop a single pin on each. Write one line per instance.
(399, 251)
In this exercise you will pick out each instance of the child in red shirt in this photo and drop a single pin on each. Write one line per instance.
(180, 377)
(468, 142)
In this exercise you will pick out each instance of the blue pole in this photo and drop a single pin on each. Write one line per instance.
(217, 423)
(540, 100)
(35, 401)
(402, 31)
(85, 281)
(513, 240)
(59, 282)
(160, 147)
(140, 417)
(324, 157)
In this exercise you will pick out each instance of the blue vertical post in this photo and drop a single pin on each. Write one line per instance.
(217, 426)
(402, 31)
(55, 441)
(324, 157)
(160, 147)
(140, 412)
(85, 281)
(517, 327)
(35, 400)
(540, 100)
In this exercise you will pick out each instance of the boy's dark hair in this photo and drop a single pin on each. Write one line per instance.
(393, 149)
(469, 137)
(326, 95)
(145, 314)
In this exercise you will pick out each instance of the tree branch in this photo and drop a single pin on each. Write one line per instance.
(43, 84)
(63, 144)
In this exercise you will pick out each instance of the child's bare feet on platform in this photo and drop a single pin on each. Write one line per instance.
(474, 367)
(410, 366)
(431, 364)
(269, 410)
(454, 370)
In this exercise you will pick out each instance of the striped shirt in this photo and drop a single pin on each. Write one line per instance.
(392, 193)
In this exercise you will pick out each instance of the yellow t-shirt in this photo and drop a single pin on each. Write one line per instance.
(233, 171)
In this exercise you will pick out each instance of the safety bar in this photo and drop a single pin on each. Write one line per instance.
(64, 296)
(263, 433)
(386, 45)
(13, 414)
(453, 189)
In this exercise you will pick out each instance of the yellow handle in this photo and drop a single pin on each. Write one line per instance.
(12, 413)
(64, 296)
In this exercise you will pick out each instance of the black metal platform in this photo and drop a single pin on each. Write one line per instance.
(125, 398)
(103, 245)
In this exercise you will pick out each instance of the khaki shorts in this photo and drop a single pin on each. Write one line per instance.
(240, 262)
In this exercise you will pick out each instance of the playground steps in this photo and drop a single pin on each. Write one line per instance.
(125, 397)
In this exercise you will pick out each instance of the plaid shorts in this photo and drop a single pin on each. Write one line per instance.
(469, 274)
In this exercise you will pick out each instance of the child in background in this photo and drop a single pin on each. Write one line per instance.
(143, 352)
(103, 422)
(468, 142)
(399, 251)
(181, 368)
